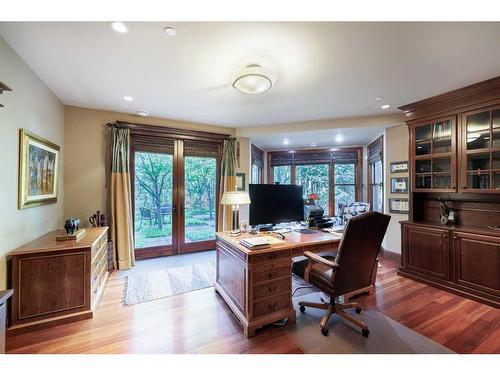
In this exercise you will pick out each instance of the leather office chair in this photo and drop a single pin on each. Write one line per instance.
(351, 270)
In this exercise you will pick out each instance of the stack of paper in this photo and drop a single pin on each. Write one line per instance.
(253, 243)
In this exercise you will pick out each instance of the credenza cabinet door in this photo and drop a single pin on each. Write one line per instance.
(427, 251)
(477, 262)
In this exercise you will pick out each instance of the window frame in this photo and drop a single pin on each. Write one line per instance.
(375, 154)
(331, 164)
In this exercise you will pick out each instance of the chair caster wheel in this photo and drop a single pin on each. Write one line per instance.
(365, 332)
(302, 308)
(358, 310)
(324, 331)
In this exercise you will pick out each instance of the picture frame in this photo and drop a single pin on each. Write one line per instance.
(38, 170)
(240, 182)
(399, 166)
(399, 185)
(398, 205)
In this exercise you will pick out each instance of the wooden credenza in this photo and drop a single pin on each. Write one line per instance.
(257, 284)
(57, 282)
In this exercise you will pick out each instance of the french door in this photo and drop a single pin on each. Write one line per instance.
(174, 187)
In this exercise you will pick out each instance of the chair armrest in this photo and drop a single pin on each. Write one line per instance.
(314, 258)
(319, 259)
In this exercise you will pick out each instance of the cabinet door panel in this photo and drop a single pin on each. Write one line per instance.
(231, 275)
(477, 261)
(427, 251)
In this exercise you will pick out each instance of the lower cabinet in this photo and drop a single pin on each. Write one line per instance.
(477, 262)
(461, 262)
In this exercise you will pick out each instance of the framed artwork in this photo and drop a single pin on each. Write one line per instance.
(240, 181)
(38, 170)
(398, 205)
(399, 185)
(399, 166)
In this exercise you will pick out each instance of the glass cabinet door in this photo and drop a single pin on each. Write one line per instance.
(481, 150)
(434, 156)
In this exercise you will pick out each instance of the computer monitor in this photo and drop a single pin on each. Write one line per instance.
(272, 204)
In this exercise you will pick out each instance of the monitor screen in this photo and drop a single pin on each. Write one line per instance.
(272, 204)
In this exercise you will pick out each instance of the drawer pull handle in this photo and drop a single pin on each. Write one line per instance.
(271, 289)
(270, 275)
(272, 306)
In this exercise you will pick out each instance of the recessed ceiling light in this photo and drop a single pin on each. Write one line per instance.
(254, 79)
(314, 144)
(286, 141)
(128, 98)
(119, 27)
(339, 138)
(379, 98)
(385, 106)
(143, 113)
(170, 31)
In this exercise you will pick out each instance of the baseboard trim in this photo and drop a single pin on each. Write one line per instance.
(391, 256)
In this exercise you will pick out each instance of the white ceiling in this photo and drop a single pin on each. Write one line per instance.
(325, 70)
(318, 138)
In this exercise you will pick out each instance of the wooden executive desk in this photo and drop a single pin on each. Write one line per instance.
(257, 284)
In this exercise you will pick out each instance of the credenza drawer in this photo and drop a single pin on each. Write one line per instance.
(271, 256)
(271, 274)
(272, 304)
(272, 288)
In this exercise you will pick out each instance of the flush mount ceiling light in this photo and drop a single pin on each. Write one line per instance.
(143, 113)
(254, 79)
(128, 98)
(385, 106)
(339, 138)
(119, 27)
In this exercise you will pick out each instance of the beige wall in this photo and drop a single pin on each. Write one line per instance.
(87, 158)
(395, 149)
(245, 167)
(34, 107)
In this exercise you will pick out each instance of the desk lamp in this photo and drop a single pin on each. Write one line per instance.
(235, 199)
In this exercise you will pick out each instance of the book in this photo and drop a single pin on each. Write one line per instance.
(255, 242)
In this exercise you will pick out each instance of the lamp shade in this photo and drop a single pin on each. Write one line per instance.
(235, 197)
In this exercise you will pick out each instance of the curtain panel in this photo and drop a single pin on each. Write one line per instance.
(227, 183)
(121, 200)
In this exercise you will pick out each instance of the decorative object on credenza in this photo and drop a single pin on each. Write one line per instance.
(399, 185)
(98, 220)
(240, 181)
(399, 166)
(3, 87)
(71, 225)
(398, 205)
(38, 170)
(446, 214)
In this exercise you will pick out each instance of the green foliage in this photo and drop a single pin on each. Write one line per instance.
(153, 232)
(314, 179)
(193, 221)
(200, 183)
(283, 174)
(201, 235)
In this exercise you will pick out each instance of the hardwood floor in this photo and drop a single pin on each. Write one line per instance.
(199, 322)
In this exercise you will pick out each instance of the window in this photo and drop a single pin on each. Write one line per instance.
(334, 175)
(314, 179)
(282, 174)
(344, 184)
(256, 174)
(376, 175)
(257, 158)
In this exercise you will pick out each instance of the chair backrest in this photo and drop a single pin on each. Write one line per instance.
(358, 251)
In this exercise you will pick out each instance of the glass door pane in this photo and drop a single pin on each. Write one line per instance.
(314, 179)
(377, 187)
(153, 199)
(282, 174)
(199, 201)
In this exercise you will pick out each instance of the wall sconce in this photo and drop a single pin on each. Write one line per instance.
(3, 87)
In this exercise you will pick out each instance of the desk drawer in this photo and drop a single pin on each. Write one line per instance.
(272, 288)
(271, 274)
(271, 256)
(272, 304)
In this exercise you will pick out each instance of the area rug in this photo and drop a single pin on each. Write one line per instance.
(168, 282)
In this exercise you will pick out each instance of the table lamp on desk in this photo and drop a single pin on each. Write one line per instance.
(235, 199)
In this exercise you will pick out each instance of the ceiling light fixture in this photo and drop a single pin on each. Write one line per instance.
(339, 138)
(128, 98)
(385, 106)
(170, 31)
(143, 113)
(119, 27)
(286, 142)
(379, 98)
(314, 144)
(254, 80)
